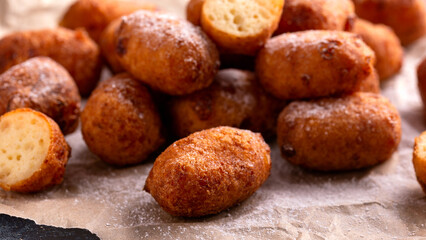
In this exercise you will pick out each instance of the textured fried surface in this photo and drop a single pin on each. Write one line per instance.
(406, 17)
(169, 54)
(120, 122)
(347, 133)
(209, 171)
(240, 26)
(74, 50)
(419, 159)
(234, 99)
(385, 44)
(301, 15)
(52, 169)
(313, 64)
(371, 83)
(107, 44)
(43, 85)
(95, 15)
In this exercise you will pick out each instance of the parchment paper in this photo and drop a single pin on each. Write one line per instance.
(384, 202)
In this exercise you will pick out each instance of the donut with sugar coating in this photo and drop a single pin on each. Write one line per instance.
(209, 171)
(43, 85)
(169, 54)
(120, 122)
(315, 63)
(334, 134)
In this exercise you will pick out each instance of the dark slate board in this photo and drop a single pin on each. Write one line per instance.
(14, 228)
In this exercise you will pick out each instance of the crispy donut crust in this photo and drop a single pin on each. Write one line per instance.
(334, 134)
(209, 171)
(43, 85)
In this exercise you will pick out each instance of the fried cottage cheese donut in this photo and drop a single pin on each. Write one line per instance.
(385, 44)
(209, 171)
(419, 160)
(169, 54)
(421, 83)
(234, 99)
(74, 50)
(43, 85)
(333, 134)
(33, 151)
(301, 15)
(95, 15)
(314, 63)
(240, 26)
(406, 17)
(120, 122)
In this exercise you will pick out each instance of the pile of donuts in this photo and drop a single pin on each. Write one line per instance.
(201, 95)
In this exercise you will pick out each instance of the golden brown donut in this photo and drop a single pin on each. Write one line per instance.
(169, 54)
(96, 15)
(234, 99)
(419, 159)
(33, 151)
(43, 85)
(314, 63)
(334, 134)
(406, 17)
(120, 122)
(209, 171)
(240, 26)
(193, 11)
(107, 43)
(301, 15)
(385, 44)
(74, 50)
(421, 83)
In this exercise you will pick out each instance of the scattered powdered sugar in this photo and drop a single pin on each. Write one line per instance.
(163, 27)
(158, 30)
(325, 41)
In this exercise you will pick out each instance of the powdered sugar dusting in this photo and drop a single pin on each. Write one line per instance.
(324, 41)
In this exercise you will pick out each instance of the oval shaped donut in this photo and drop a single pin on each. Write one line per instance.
(209, 171)
(169, 54)
(314, 64)
(331, 134)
